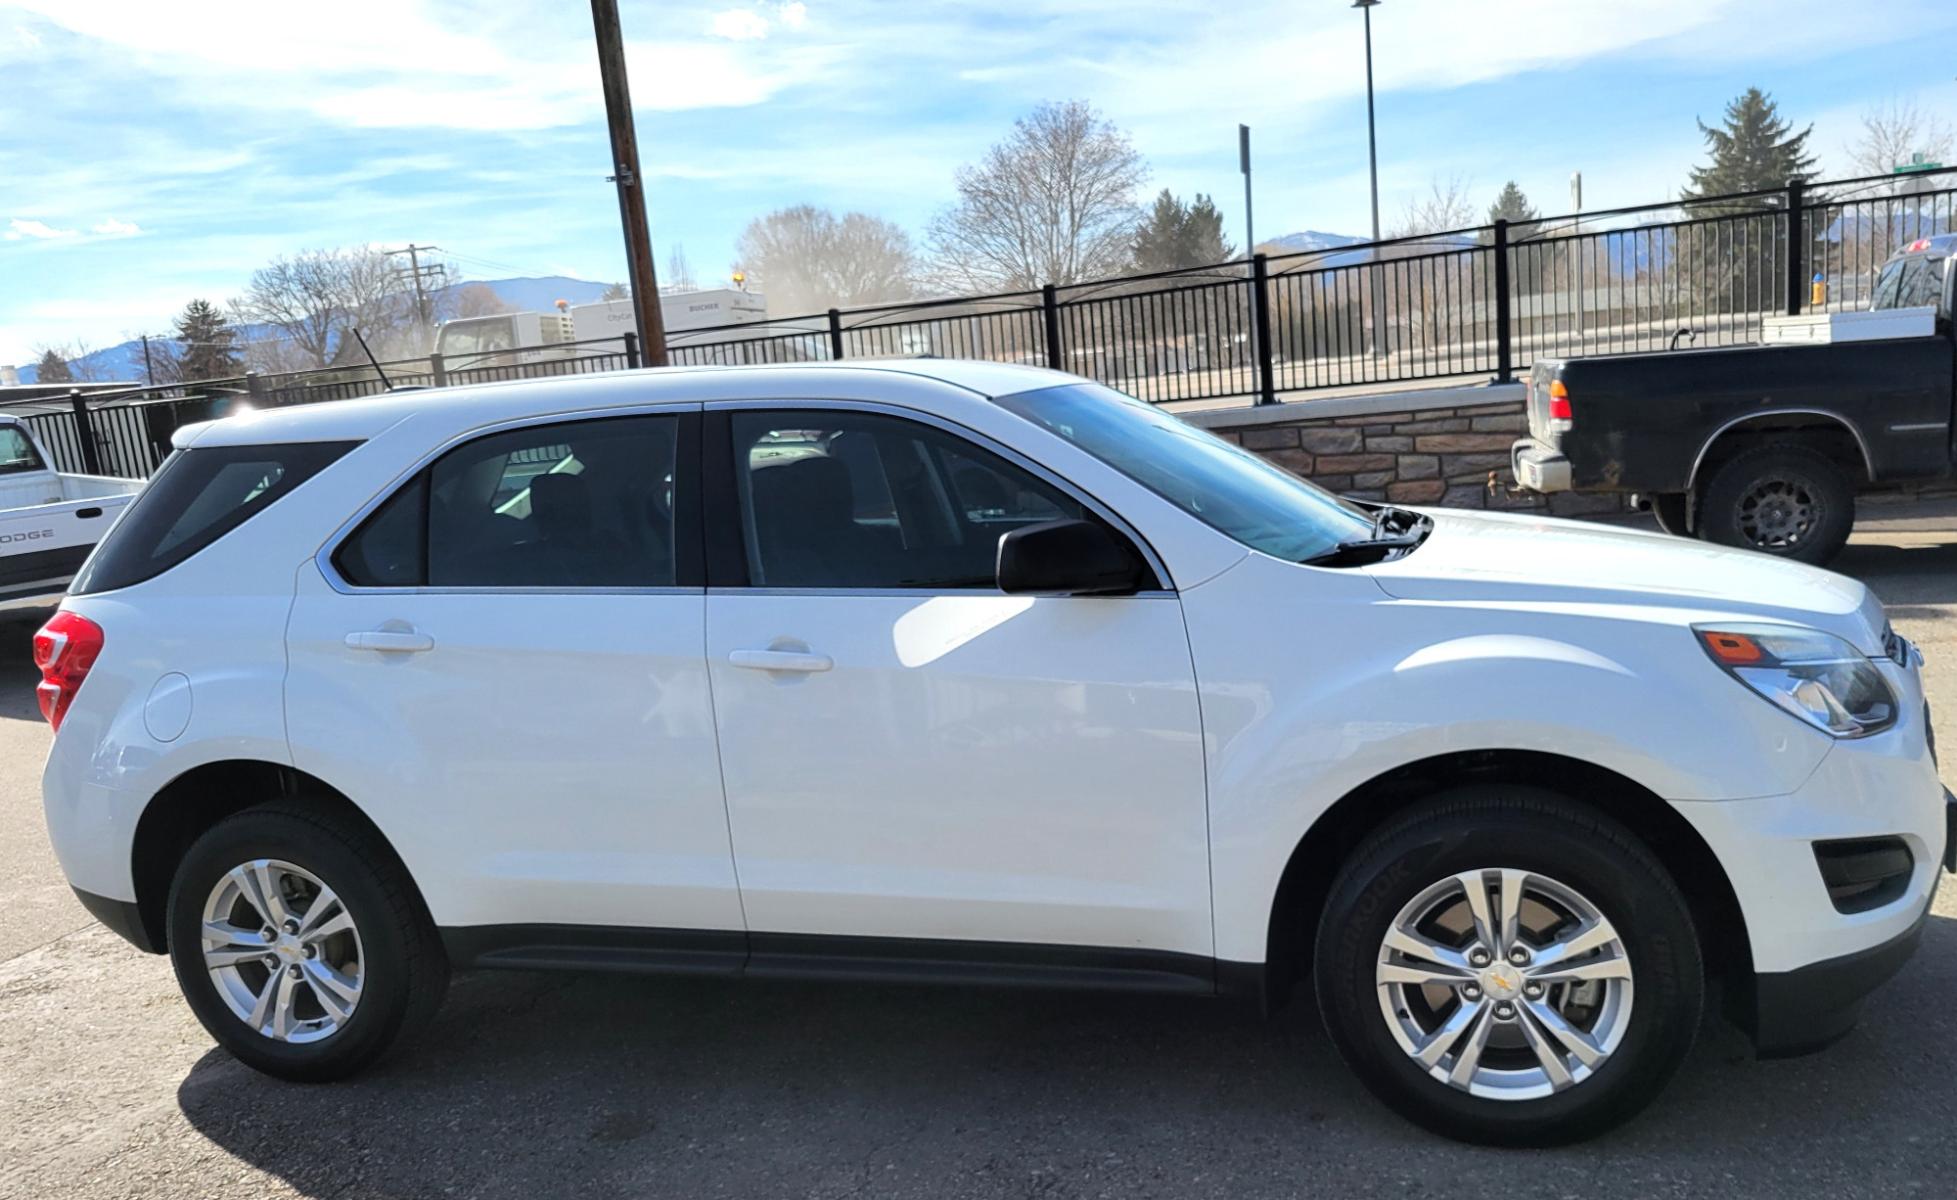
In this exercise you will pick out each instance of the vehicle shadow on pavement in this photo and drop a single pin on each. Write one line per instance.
(17, 673)
(1912, 577)
(533, 1085)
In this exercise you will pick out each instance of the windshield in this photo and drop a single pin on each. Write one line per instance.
(1227, 488)
(1910, 283)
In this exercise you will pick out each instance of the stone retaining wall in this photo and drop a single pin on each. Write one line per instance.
(1433, 447)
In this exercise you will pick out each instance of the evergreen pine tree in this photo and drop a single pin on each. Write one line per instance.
(1512, 206)
(208, 349)
(1158, 240)
(1203, 241)
(53, 369)
(1754, 148)
(1735, 264)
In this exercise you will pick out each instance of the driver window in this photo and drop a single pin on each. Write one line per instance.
(859, 500)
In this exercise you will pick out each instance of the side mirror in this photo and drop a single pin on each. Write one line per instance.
(1067, 558)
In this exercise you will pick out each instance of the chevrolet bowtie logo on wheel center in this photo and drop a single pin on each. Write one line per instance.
(1502, 982)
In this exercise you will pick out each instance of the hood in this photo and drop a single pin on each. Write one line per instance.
(1517, 558)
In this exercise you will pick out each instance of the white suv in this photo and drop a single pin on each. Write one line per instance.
(971, 673)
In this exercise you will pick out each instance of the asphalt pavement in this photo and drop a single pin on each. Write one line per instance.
(535, 1085)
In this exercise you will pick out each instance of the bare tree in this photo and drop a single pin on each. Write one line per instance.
(806, 259)
(1443, 207)
(1894, 132)
(316, 298)
(72, 362)
(679, 272)
(1052, 203)
(470, 300)
(616, 291)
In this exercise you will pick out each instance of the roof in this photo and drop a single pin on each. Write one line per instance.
(487, 403)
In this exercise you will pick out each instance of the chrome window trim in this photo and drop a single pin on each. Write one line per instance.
(323, 557)
(984, 441)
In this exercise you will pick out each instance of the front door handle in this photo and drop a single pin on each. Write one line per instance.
(390, 641)
(781, 660)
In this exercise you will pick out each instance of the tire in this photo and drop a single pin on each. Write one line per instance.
(1646, 1022)
(1669, 508)
(391, 954)
(1788, 501)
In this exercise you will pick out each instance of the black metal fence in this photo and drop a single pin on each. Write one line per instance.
(1484, 302)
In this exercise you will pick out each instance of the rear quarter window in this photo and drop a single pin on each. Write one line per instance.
(196, 498)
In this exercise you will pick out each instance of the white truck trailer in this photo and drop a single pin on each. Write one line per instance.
(575, 330)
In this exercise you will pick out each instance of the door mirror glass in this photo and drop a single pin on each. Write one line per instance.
(1069, 558)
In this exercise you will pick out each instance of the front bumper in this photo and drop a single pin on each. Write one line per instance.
(1809, 1007)
(1539, 467)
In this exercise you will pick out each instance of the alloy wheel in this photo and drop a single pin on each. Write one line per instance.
(283, 951)
(1777, 514)
(1505, 984)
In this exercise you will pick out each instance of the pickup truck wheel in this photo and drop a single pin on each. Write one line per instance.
(1503, 965)
(1669, 508)
(1788, 501)
(300, 943)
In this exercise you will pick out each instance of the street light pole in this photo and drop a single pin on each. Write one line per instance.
(1372, 159)
(630, 181)
(1243, 162)
(1372, 141)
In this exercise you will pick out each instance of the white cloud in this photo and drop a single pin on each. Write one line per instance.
(739, 25)
(795, 14)
(111, 227)
(19, 228)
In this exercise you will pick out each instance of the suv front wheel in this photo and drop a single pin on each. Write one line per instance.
(300, 943)
(1503, 965)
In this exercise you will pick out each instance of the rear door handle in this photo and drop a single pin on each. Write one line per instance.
(389, 641)
(781, 660)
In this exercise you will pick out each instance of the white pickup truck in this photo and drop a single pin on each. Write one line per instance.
(49, 520)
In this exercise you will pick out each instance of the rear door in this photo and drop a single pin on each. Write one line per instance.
(503, 665)
(917, 763)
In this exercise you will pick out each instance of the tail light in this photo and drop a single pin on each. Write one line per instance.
(1559, 401)
(64, 650)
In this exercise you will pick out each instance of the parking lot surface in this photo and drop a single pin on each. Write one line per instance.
(552, 1085)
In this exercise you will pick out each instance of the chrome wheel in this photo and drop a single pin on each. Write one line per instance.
(1505, 984)
(282, 951)
(1776, 514)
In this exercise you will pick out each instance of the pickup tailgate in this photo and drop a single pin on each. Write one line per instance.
(42, 546)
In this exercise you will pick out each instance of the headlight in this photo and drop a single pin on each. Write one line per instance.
(1816, 676)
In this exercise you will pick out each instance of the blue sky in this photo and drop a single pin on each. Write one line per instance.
(152, 152)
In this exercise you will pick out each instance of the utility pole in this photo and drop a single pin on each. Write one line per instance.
(1250, 236)
(149, 370)
(629, 181)
(415, 270)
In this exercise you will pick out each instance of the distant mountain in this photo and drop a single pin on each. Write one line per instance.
(1311, 239)
(527, 294)
(124, 362)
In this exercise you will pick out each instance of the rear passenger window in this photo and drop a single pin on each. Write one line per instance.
(196, 498)
(580, 505)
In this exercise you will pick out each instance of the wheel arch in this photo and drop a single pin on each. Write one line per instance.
(183, 809)
(1307, 877)
(1818, 428)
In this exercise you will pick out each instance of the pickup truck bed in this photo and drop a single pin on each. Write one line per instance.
(49, 522)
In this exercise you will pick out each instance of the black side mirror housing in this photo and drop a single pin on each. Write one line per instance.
(1067, 558)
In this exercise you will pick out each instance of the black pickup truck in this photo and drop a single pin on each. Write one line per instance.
(1762, 446)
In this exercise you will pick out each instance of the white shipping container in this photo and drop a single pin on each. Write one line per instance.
(1817, 328)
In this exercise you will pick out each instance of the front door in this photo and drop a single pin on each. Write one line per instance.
(910, 753)
(502, 665)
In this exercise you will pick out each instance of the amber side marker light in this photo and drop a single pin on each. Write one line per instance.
(1733, 649)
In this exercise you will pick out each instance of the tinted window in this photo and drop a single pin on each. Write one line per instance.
(576, 505)
(855, 500)
(196, 498)
(17, 454)
(1229, 489)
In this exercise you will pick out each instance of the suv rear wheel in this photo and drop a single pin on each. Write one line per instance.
(300, 943)
(1790, 501)
(1503, 965)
